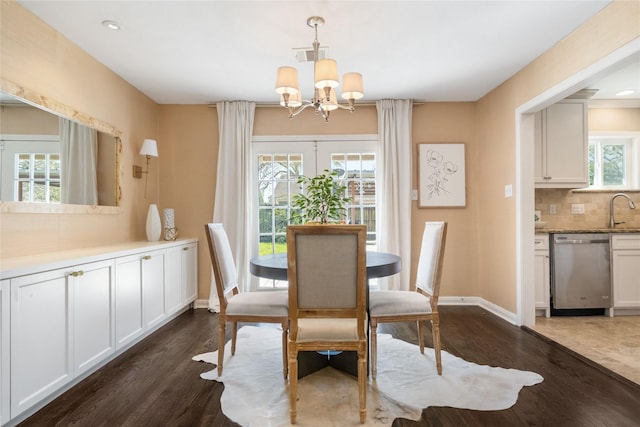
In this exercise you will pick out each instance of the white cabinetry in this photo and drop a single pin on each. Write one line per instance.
(542, 277)
(189, 273)
(180, 278)
(625, 270)
(561, 145)
(4, 351)
(41, 336)
(153, 288)
(129, 320)
(93, 314)
(64, 315)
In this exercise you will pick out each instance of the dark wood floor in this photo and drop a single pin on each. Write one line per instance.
(157, 384)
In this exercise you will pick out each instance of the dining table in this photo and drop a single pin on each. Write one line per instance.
(274, 266)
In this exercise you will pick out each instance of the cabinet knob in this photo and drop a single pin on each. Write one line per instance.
(77, 273)
(146, 257)
(186, 248)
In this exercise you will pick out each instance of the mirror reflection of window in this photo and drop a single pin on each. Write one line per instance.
(87, 176)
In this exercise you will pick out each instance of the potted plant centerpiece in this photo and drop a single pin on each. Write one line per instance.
(323, 201)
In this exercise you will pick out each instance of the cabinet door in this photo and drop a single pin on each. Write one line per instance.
(5, 382)
(566, 143)
(41, 314)
(128, 290)
(626, 282)
(173, 279)
(542, 279)
(93, 314)
(153, 288)
(190, 272)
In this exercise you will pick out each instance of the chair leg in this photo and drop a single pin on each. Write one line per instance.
(221, 338)
(234, 334)
(435, 327)
(374, 347)
(420, 326)
(362, 382)
(293, 383)
(285, 364)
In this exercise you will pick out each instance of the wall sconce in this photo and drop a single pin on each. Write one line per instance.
(149, 149)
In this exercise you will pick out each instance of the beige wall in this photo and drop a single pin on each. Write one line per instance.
(614, 119)
(480, 257)
(36, 58)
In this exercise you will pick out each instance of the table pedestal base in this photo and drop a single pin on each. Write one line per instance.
(311, 361)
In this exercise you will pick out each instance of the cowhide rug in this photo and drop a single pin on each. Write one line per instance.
(256, 393)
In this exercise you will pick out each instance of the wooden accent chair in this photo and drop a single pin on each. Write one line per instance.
(236, 306)
(420, 305)
(327, 297)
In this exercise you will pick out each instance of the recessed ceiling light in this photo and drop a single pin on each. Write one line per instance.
(112, 25)
(625, 92)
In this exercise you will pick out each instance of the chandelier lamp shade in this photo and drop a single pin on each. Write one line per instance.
(326, 82)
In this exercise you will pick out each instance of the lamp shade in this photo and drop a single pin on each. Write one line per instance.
(149, 148)
(352, 86)
(287, 80)
(326, 74)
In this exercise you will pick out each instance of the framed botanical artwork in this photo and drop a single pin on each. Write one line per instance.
(441, 176)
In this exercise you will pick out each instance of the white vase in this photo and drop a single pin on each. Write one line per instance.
(154, 227)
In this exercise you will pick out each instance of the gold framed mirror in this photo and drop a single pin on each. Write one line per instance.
(54, 158)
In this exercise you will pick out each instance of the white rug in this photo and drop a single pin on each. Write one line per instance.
(256, 393)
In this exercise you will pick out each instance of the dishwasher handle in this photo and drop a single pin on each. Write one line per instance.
(565, 241)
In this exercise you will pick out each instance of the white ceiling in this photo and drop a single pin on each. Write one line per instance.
(199, 52)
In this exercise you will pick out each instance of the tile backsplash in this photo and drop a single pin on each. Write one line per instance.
(596, 208)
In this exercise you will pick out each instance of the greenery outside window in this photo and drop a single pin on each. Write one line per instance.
(613, 162)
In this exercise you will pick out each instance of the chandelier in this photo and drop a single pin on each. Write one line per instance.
(325, 83)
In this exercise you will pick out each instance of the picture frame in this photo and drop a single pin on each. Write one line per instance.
(441, 175)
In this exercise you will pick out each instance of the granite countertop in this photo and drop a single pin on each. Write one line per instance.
(587, 230)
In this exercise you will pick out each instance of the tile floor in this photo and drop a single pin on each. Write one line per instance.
(613, 342)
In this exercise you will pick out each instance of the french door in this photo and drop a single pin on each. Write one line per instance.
(277, 166)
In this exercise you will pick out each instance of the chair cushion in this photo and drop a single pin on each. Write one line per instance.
(390, 303)
(327, 330)
(266, 303)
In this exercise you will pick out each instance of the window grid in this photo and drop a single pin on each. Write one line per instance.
(37, 177)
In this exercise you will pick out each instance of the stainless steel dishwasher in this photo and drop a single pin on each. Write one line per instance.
(580, 271)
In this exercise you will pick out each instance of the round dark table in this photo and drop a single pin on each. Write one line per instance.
(379, 264)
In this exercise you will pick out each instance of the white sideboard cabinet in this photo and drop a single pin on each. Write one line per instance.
(180, 284)
(64, 315)
(561, 145)
(4, 351)
(41, 322)
(625, 270)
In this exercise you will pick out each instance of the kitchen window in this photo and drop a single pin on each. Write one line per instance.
(613, 161)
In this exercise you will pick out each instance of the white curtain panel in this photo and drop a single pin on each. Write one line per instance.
(394, 131)
(233, 183)
(78, 160)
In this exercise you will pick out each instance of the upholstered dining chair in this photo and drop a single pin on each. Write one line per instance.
(327, 297)
(236, 306)
(420, 305)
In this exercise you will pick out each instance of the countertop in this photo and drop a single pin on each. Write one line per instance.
(549, 230)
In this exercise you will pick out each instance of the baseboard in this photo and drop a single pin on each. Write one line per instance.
(201, 303)
(481, 302)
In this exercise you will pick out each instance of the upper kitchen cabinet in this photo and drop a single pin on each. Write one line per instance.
(561, 145)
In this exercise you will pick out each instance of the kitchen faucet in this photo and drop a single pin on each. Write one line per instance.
(612, 221)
